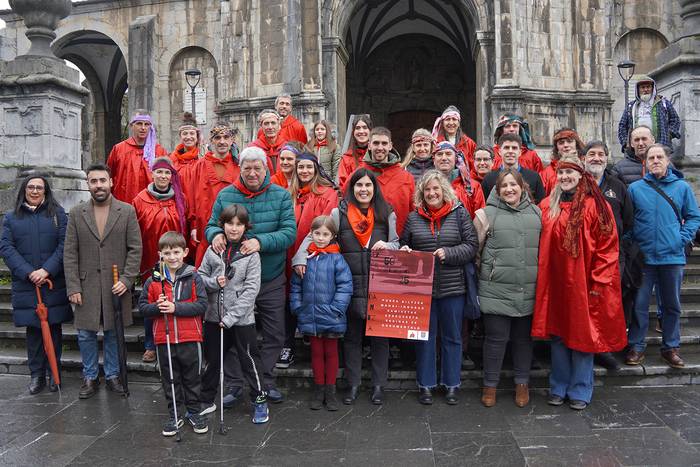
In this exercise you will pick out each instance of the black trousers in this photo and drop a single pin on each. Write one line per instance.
(36, 357)
(352, 346)
(270, 305)
(498, 331)
(187, 366)
(244, 339)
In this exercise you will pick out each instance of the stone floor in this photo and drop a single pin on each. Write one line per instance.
(623, 426)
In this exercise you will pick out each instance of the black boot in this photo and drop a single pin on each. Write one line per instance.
(318, 397)
(89, 388)
(37, 384)
(331, 399)
(606, 360)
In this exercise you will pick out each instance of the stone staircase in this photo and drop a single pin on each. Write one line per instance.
(653, 372)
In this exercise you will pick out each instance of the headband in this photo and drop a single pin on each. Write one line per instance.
(570, 165)
(420, 138)
(290, 148)
(565, 134)
(220, 130)
(149, 146)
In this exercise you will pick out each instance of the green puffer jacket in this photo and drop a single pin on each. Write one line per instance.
(273, 222)
(508, 274)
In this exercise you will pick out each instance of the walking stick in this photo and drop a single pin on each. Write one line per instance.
(119, 331)
(170, 357)
(220, 303)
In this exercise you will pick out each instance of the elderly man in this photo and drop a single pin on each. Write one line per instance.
(274, 230)
(270, 139)
(510, 124)
(631, 167)
(595, 159)
(651, 110)
(130, 161)
(666, 218)
(101, 232)
(510, 152)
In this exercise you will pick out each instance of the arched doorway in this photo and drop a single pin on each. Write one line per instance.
(408, 60)
(102, 62)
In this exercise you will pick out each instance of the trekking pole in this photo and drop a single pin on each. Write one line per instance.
(222, 430)
(170, 358)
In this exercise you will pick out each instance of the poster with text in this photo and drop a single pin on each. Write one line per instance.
(400, 291)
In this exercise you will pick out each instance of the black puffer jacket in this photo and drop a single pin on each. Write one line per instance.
(458, 238)
(417, 168)
(629, 169)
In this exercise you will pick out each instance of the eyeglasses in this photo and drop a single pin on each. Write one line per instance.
(37, 188)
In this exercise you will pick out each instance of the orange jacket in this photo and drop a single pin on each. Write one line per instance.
(549, 176)
(130, 173)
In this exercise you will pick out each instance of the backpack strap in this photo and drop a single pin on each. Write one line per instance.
(666, 197)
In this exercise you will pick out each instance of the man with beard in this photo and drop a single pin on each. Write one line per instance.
(101, 232)
(651, 110)
(615, 192)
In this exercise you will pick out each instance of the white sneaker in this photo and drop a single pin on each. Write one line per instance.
(208, 409)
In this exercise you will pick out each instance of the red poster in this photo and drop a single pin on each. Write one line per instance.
(400, 291)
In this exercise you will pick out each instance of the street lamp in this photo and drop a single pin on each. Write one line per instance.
(192, 77)
(626, 70)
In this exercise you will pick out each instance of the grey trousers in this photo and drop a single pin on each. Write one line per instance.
(498, 331)
(352, 346)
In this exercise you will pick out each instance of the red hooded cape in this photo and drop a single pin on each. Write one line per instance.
(564, 304)
(130, 173)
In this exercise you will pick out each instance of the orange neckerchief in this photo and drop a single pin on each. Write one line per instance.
(238, 183)
(362, 225)
(184, 154)
(280, 180)
(435, 215)
(330, 248)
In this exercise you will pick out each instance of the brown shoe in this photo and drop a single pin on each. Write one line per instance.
(633, 357)
(488, 397)
(672, 358)
(522, 395)
(149, 356)
(89, 388)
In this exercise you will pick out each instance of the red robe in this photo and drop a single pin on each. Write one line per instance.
(564, 306)
(280, 180)
(272, 151)
(348, 165)
(205, 185)
(291, 130)
(466, 145)
(183, 161)
(472, 201)
(130, 172)
(397, 187)
(549, 176)
(155, 217)
(528, 159)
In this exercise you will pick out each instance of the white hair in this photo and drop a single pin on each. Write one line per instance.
(252, 154)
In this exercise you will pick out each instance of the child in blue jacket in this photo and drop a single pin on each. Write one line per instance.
(320, 300)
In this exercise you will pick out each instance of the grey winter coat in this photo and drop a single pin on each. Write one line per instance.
(240, 291)
(510, 238)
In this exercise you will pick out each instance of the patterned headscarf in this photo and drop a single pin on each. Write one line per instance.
(524, 129)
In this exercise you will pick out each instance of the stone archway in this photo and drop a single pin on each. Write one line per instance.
(102, 62)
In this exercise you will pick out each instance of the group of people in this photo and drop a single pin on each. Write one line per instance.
(235, 247)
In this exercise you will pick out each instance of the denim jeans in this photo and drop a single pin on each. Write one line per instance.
(148, 342)
(89, 353)
(667, 279)
(572, 372)
(446, 318)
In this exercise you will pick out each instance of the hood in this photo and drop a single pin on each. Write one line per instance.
(672, 175)
(496, 201)
(524, 129)
(393, 159)
(644, 79)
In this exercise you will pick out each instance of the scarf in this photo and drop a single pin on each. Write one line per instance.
(176, 186)
(252, 194)
(587, 186)
(438, 121)
(524, 129)
(328, 249)
(362, 225)
(149, 146)
(302, 196)
(435, 216)
(184, 154)
(321, 143)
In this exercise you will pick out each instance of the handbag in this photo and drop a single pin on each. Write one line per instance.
(688, 248)
(472, 309)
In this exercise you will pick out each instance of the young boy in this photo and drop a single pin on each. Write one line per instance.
(177, 294)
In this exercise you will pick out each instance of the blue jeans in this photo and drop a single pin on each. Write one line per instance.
(668, 280)
(148, 342)
(446, 316)
(89, 353)
(572, 372)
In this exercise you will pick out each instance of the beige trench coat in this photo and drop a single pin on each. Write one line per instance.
(88, 260)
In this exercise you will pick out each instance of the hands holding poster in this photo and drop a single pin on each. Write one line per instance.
(400, 292)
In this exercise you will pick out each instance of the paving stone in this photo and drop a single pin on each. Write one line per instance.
(44, 448)
(476, 449)
(623, 413)
(650, 446)
(406, 433)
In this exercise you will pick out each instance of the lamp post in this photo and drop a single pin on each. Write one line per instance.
(193, 76)
(626, 70)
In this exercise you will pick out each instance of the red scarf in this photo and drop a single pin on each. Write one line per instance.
(330, 248)
(362, 225)
(321, 143)
(435, 215)
(302, 197)
(249, 194)
(184, 154)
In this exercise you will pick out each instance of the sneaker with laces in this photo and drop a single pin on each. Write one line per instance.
(170, 429)
(261, 414)
(232, 395)
(286, 358)
(198, 422)
(207, 408)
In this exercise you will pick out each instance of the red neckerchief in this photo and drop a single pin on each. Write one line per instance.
(244, 189)
(185, 154)
(361, 225)
(321, 143)
(330, 248)
(302, 197)
(435, 215)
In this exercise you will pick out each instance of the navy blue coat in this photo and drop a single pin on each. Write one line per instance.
(33, 242)
(320, 300)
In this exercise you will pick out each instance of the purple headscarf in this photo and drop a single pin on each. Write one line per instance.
(164, 163)
(149, 146)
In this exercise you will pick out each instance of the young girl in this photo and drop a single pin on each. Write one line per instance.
(320, 301)
(233, 282)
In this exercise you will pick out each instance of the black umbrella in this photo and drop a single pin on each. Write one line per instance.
(119, 330)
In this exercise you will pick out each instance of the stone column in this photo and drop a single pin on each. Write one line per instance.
(41, 103)
(142, 43)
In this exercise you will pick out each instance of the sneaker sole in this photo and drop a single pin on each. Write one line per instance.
(200, 431)
(174, 432)
(634, 363)
(259, 421)
(282, 365)
(208, 410)
(556, 403)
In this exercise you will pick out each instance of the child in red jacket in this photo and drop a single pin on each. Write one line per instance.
(177, 293)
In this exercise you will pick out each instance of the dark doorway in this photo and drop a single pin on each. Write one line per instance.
(403, 124)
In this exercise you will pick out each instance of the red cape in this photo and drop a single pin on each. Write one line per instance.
(130, 172)
(549, 176)
(291, 130)
(471, 201)
(564, 306)
(348, 165)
